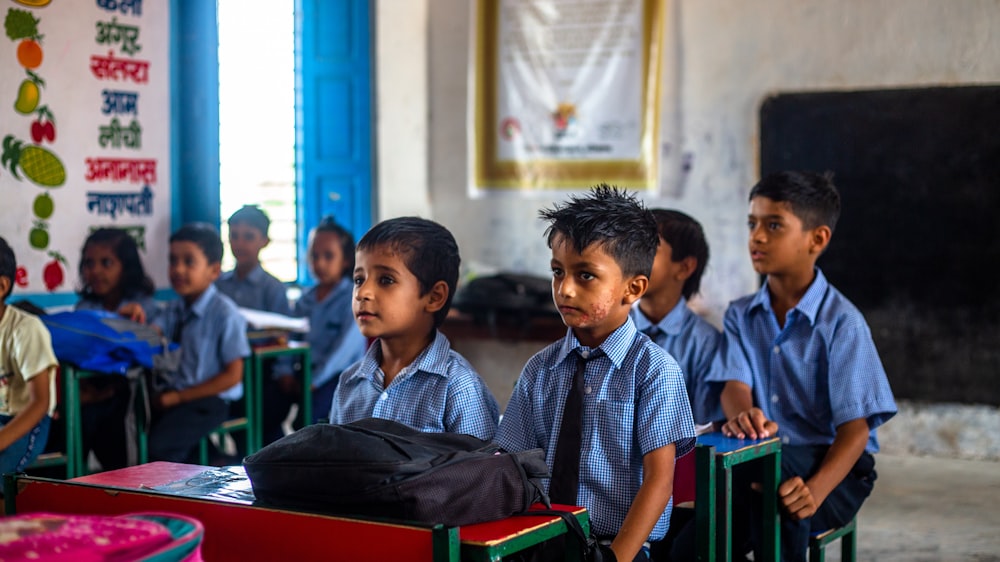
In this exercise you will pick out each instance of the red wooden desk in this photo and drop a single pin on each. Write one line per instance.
(236, 530)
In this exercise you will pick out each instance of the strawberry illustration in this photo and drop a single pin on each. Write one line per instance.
(53, 273)
(21, 276)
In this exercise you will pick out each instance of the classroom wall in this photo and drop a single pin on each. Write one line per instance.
(723, 58)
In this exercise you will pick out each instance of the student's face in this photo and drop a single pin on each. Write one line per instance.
(326, 258)
(190, 272)
(387, 299)
(590, 291)
(667, 276)
(101, 270)
(778, 243)
(246, 242)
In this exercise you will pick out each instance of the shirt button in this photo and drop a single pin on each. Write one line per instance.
(777, 350)
(384, 396)
(585, 354)
(785, 439)
(587, 390)
(774, 398)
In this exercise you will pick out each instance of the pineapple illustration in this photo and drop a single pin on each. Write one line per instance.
(36, 163)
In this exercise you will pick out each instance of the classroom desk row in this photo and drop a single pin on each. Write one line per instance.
(253, 386)
(235, 529)
(140, 488)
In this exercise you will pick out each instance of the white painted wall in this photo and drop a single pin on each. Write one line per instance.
(401, 110)
(723, 57)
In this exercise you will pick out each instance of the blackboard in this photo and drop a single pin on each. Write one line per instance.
(918, 243)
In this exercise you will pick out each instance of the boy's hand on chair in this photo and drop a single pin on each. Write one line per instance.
(133, 312)
(167, 400)
(751, 424)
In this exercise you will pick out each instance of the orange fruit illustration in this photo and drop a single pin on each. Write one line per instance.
(29, 54)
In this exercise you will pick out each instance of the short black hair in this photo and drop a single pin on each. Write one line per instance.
(429, 251)
(612, 218)
(329, 224)
(812, 197)
(8, 266)
(251, 215)
(686, 239)
(134, 280)
(205, 236)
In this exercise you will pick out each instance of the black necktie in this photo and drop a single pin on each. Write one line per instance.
(566, 465)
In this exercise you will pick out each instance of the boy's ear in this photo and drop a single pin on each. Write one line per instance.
(688, 265)
(5, 283)
(437, 296)
(635, 288)
(215, 269)
(819, 239)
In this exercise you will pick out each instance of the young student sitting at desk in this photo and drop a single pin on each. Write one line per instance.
(248, 284)
(334, 339)
(662, 312)
(606, 404)
(27, 381)
(111, 276)
(798, 361)
(405, 275)
(194, 399)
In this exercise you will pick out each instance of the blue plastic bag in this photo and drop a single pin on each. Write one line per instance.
(103, 341)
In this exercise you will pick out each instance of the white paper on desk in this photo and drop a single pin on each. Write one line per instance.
(261, 320)
(704, 428)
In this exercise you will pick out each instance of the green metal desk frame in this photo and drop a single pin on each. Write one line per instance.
(715, 457)
(256, 376)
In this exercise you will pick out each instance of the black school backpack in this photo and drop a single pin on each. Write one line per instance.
(382, 468)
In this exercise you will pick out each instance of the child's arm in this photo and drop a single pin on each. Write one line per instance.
(744, 420)
(231, 375)
(802, 499)
(134, 312)
(37, 408)
(649, 502)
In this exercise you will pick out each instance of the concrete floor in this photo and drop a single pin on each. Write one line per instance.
(926, 509)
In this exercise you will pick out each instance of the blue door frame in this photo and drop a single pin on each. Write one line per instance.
(333, 117)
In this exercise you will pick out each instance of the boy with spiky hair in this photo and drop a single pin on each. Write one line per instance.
(606, 404)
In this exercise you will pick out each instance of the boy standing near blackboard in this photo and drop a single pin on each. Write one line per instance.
(798, 361)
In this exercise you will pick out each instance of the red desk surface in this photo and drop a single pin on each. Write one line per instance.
(495, 532)
(144, 476)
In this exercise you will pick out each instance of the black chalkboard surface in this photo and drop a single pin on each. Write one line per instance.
(918, 243)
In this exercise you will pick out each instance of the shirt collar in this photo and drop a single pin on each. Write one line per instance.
(201, 303)
(807, 306)
(671, 324)
(433, 359)
(615, 346)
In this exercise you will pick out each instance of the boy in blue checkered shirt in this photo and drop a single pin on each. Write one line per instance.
(635, 414)
(798, 361)
(405, 274)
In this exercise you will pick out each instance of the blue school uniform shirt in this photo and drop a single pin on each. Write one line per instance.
(213, 333)
(692, 342)
(334, 339)
(259, 290)
(439, 392)
(819, 371)
(148, 304)
(634, 402)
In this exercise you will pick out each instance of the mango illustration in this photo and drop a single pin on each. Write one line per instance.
(27, 97)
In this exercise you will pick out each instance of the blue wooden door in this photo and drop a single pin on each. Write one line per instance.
(333, 118)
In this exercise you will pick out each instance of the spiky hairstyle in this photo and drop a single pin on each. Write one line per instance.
(612, 218)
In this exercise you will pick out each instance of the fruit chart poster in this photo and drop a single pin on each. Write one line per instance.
(84, 134)
(566, 94)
